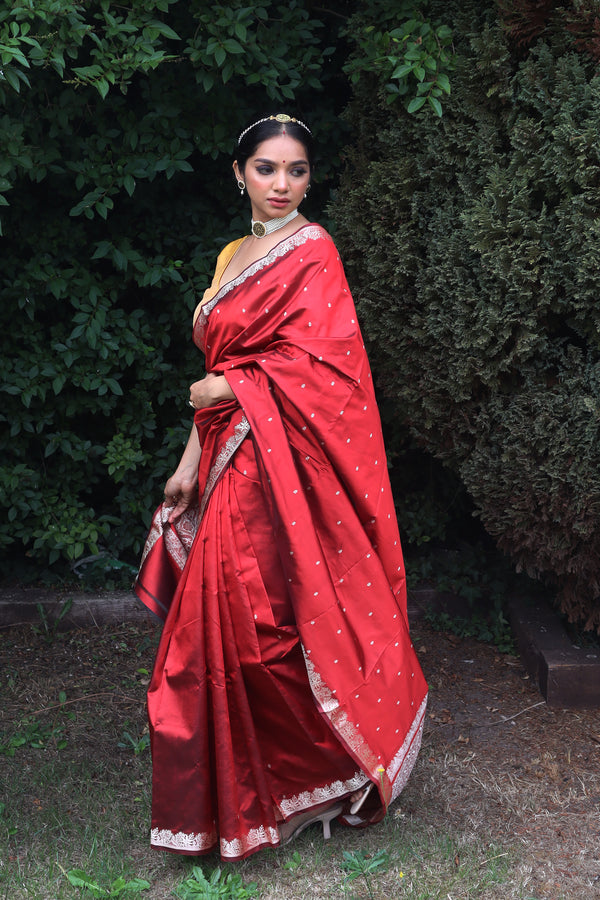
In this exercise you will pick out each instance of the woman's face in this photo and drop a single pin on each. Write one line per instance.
(276, 177)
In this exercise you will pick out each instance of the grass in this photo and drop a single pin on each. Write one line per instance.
(75, 795)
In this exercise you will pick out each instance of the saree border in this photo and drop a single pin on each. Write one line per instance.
(300, 237)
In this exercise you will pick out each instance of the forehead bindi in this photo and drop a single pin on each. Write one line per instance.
(281, 148)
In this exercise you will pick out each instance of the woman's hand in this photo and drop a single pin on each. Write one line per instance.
(181, 491)
(209, 391)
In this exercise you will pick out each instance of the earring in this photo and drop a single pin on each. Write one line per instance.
(307, 190)
(241, 184)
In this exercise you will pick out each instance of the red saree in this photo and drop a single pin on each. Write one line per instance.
(285, 675)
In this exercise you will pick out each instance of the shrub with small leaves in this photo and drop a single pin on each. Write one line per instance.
(472, 244)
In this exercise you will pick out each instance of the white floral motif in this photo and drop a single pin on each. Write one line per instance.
(306, 799)
(178, 537)
(223, 457)
(197, 843)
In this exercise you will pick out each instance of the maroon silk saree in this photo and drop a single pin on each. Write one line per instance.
(285, 675)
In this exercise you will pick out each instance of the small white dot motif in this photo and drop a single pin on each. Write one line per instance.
(302, 385)
(316, 594)
(332, 383)
(305, 288)
(339, 522)
(293, 523)
(379, 700)
(244, 309)
(324, 270)
(310, 323)
(312, 415)
(336, 661)
(339, 631)
(371, 613)
(258, 282)
(269, 450)
(266, 310)
(241, 381)
(270, 419)
(245, 473)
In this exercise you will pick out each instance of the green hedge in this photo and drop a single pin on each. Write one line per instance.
(472, 242)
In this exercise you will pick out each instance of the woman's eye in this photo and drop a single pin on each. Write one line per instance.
(299, 173)
(264, 170)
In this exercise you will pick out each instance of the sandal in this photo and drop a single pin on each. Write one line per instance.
(325, 817)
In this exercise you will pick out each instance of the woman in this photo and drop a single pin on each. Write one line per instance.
(286, 689)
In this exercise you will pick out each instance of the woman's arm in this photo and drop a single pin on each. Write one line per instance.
(181, 490)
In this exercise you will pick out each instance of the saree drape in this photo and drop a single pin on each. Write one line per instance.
(285, 674)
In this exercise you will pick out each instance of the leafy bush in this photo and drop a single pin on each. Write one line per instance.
(113, 211)
(472, 244)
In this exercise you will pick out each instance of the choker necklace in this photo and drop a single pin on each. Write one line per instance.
(260, 229)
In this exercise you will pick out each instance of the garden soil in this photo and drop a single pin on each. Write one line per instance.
(497, 762)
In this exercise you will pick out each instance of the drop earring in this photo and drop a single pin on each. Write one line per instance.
(242, 185)
(307, 190)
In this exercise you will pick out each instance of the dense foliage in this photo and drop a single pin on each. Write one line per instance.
(116, 133)
(472, 243)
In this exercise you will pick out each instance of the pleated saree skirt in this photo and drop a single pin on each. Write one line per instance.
(238, 744)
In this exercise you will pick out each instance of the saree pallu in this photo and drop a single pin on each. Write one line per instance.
(285, 675)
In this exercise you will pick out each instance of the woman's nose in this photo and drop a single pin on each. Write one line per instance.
(281, 180)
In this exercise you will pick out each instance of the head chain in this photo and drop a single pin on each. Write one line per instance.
(283, 118)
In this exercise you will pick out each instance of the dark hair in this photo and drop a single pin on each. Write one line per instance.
(262, 128)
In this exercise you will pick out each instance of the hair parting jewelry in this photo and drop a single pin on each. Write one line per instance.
(283, 118)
